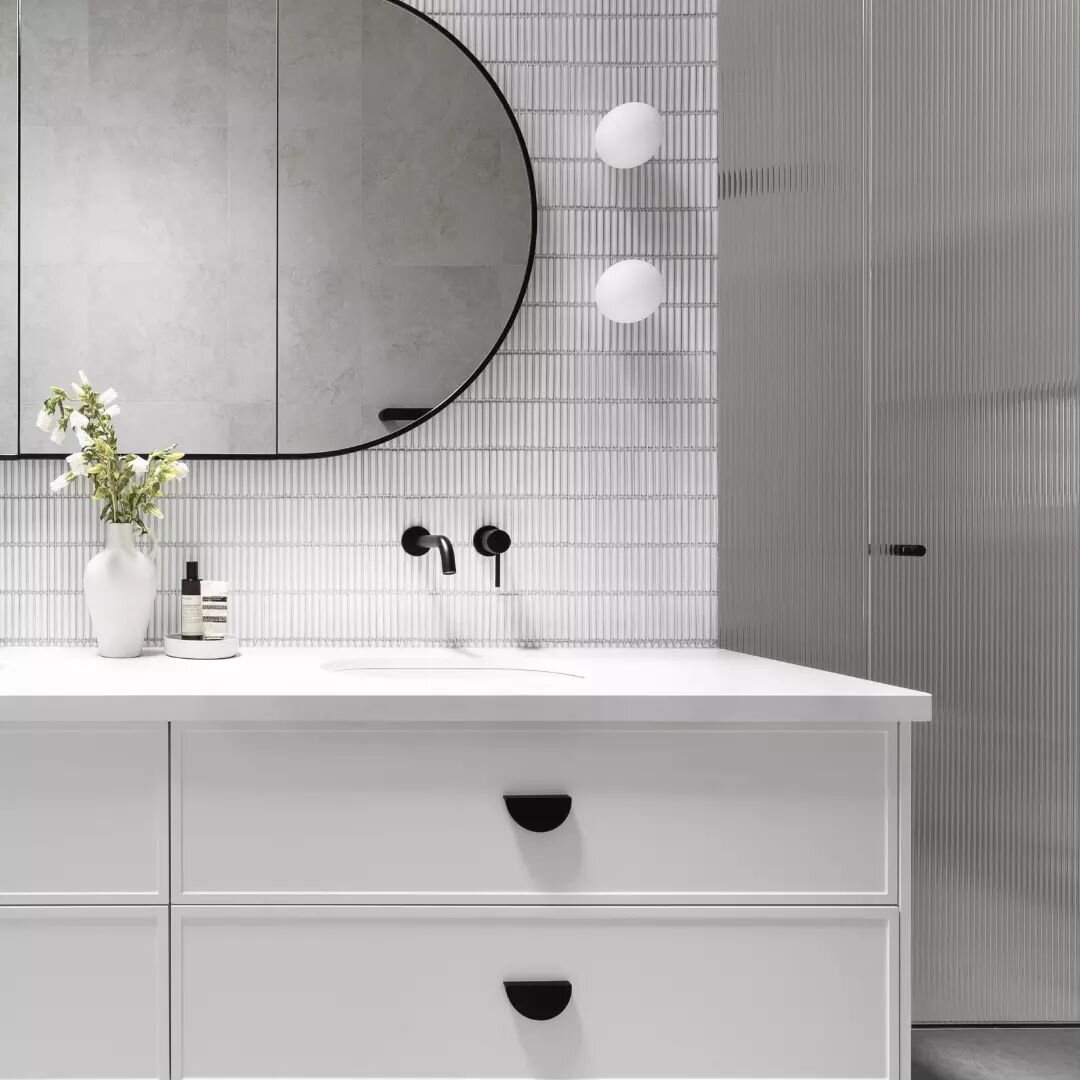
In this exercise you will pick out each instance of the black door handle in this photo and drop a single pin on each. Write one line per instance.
(913, 551)
(539, 1000)
(538, 813)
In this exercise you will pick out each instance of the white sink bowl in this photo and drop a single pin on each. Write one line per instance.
(447, 673)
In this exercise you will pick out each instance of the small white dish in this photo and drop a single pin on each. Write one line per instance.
(199, 649)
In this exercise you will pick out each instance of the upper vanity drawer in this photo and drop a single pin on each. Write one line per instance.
(84, 812)
(339, 814)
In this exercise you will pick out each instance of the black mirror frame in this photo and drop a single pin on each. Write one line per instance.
(435, 410)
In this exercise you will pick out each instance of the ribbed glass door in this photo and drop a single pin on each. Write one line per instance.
(975, 452)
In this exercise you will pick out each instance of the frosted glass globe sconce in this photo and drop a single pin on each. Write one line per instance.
(629, 291)
(629, 135)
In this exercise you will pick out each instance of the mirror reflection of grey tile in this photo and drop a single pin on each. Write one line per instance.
(405, 208)
(272, 215)
(148, 201)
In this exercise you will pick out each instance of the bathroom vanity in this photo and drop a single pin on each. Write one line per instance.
(505, 863)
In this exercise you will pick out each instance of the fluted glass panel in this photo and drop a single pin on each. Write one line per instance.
(9, 226)
(594, 445)
(792, 302)
(976, 428)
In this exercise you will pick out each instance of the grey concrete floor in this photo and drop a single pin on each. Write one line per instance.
(995, 1054)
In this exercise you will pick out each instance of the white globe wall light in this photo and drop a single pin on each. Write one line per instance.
(629, 135)
(629, 291)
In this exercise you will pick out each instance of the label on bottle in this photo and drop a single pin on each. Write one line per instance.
(215, 616)
(191, 617)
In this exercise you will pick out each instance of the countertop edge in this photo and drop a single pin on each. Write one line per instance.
(462, 709)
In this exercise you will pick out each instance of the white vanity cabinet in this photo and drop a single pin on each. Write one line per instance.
(84, 892)
(347, 813)
(84, 992)
(84, 812)
(702, 876)
(418, 991)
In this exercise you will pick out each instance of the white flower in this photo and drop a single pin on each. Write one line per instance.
(112, 410)
(77, 463)
(77, 419)
(83, 379)
(59, 483)
(109, 396)
(76, 392)
(181, 470)
(45, 421)
(58, 435)
(84, 439)
(139, 466)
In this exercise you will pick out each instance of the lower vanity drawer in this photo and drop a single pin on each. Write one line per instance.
(84, 992)
(307, 813)
(421, 992)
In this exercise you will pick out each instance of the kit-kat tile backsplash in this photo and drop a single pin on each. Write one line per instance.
(593, 445)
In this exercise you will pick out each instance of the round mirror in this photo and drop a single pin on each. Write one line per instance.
(277, 228)
(407, 220)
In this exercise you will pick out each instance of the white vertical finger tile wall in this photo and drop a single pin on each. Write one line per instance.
(594, 445)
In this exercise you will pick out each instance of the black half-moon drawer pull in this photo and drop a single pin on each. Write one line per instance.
(539, 1000)
(538, 813)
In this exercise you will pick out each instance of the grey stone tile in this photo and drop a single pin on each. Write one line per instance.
(9, 177)
(417, 78)
(9, 228)
(252, 63)
(320, 219)
(216, 428)
(320, 375)
(55, 165)
(320, 58)
(213, 427)
(399, 266)
(424, 331)
(55, 76)
(157, 331)
(433, 197)
(55, 306)
(158, 193)
(433, 132)
(252, 192)
(355, 341)
(250, 367)
(148, 225)
(158, 63)
(516, 200)
(9, 384)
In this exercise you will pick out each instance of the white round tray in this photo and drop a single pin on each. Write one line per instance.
(221, 649)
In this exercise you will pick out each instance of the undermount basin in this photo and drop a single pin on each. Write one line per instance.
(438, 672)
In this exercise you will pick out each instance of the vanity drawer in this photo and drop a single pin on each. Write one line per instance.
(84, 992)
(84, 810)
(419, 992)
(302, 813)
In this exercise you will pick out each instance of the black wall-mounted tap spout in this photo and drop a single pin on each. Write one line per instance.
(418, 541)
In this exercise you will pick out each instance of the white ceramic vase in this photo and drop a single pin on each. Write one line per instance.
(120, 586)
